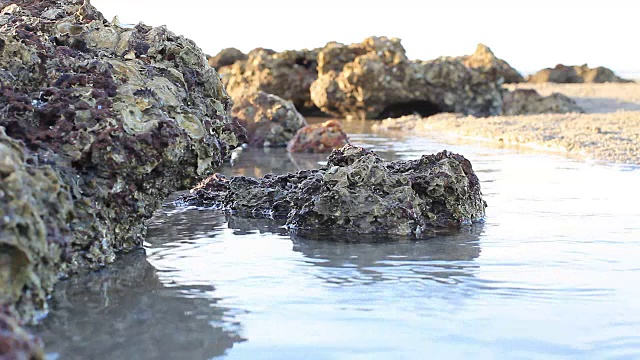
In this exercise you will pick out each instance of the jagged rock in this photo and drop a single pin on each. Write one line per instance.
(270, 121)
(358, 193)
(374, 79)
(485, 60)
(528, 102)
(226, 57)
(288, 74)
(98, 124)
(15, 342)
(319, 138)
(575, 74)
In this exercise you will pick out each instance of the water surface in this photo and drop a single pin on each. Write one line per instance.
(553, 273)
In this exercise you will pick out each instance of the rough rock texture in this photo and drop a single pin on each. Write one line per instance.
(484, 60)
(527, 102)
(319, 138)
(358, 193)
(98, 124)
(226, 57)
(575, 74)
(288, 74)
(270, 121)
(15, 342)
(374, 79)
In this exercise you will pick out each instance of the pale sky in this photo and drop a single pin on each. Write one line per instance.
(540, 34)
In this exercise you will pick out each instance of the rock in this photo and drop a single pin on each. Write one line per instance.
(98, 124)
(575, 74)
(319, 138)
(226, 57)
(15, 342)
(287, 74)
(357, 193)
(270, 121)
(484, 60)
(375, 79)
(529, 102)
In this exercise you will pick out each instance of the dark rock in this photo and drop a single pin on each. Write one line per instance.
(357, 193)
(226, 57)
(375, 79)
(98, 124)
(15, 342)
(270, 121)
(528, 102)
(318, 138)
(484, 60)
(575, 74)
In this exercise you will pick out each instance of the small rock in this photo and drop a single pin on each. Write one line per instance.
(226, 57)
(575, 74)
(484, 60)
(528, 102)
(319, 138)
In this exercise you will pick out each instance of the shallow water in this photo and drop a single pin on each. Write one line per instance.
(553, 273)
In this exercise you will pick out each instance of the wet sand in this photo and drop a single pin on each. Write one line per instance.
(608, 131)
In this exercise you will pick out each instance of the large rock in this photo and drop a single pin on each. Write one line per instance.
(485, 60)
(319, 138)
(575, 74)
(529, 102)
(288, 74)
(357, 193)
(98, 124)
(375, 79)
(270, 121)
(226, 57)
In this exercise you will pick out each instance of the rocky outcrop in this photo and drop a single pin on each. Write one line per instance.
(270, 121)
(319, 138)
(575, 74)
(484, 60)
(357, 193)
(529, 102)
(226, 57)
(287, 74)
(375, 79)
(98, 124)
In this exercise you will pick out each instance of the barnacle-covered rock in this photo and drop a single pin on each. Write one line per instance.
(98, 123)
(575, 74)
(375, 79)
(358, 193)
(226, 57)
(529, 102)
(485, 60)
(319, 138)
(287, 74)
(15, 342)
(270, 121)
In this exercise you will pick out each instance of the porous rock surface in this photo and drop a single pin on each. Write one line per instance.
(529, 102)
(287, 74)
(269, 120)
(374, 79)
(319, 138)
(485, 60)
(357, 193)
(98, 124)
(226, 57)
(575, 74)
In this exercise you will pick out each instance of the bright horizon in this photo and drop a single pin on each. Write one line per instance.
(528, 37)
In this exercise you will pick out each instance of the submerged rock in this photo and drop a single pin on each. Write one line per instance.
(529, 102)
(374, 79)
(484, 60)
(319, 138)
(226, 57)
(357, 193)
(287, 74)
(575, 74)
(270, 121)
(98, 124)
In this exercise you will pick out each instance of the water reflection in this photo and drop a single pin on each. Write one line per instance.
(256, 162)
(125, 312)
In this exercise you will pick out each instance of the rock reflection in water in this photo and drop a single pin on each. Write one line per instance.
(125, 312)
(256, 162)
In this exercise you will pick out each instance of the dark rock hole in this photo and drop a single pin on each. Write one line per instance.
(418, 107)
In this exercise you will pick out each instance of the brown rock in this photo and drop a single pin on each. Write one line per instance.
(270, 121)
(226, 57)
(319, 138)
(527, 102)
(575, 74)
(484, 60)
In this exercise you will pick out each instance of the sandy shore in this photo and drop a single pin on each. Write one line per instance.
(609, 131)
